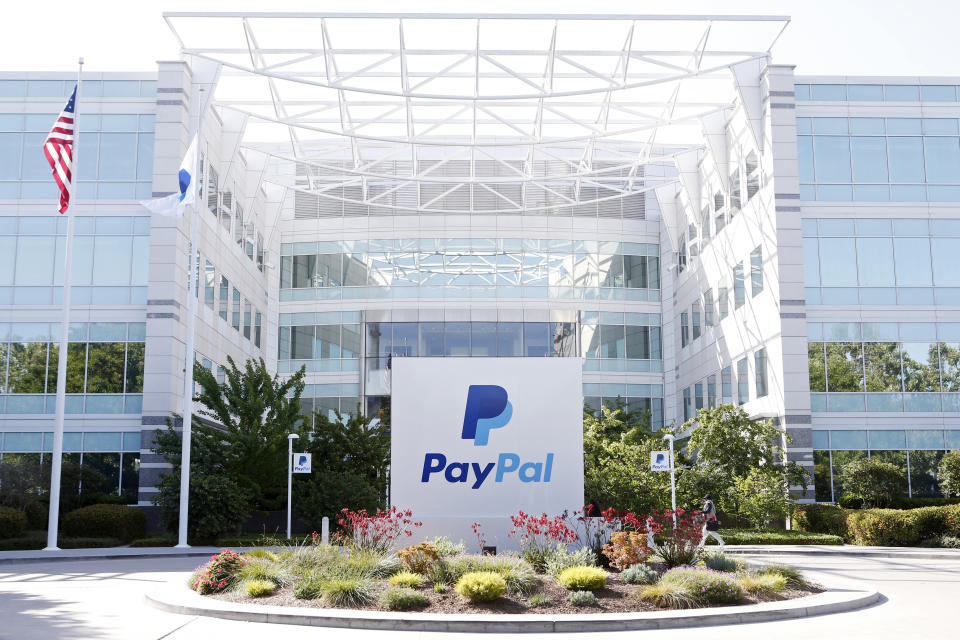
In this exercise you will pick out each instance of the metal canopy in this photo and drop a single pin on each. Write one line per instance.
(447, 113)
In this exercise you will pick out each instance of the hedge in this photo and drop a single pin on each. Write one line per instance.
(106, 520)
(38, 540)
(774, 536)
(821, 518)
(12, 522)
(880, 527)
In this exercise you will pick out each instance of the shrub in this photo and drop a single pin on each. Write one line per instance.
(87, 543)
(774, 536)
(793, 576)
(310, 587)
(261, 553)
(262, 569)
(259, 588)
(677, 546)
(903, 502)
(850, 501)
(218, 503)
(347, 591)
(402, 599)
(377, 532)
(446, 547)
(583, 599)
(539, 600)
(762, 495)
(583, 578)
(762, 583)
(440, 587)
(539, 534)
(878, 483)
(949, 474)
(155, 541)
(719, 561)
(639, 574)
(481, 586)
(820, 518)
(559, 558)
(667, 595)
(705, 585)
(949, 542)
(518, 575)
(220, 573)
(626, 548)
(419, 557)
(406, 579)
(892, 527)
(106, 520)
(12, 522)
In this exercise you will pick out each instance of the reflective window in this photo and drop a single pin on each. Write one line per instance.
(739, 289)
(743, 382)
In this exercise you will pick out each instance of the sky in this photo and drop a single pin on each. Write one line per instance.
(848, 37)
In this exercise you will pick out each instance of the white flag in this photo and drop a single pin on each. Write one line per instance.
(174, 204)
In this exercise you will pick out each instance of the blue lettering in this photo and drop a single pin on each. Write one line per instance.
(526, 476)
(549, 469)
(462, 467)
(481, 473)
(432, 463)
(502, 464)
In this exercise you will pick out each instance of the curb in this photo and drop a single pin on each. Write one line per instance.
(845, 596)
(112, 556)
(905, 555)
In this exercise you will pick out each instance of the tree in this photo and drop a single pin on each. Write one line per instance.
(351, 455)
(762, 497)
(949, 474)
(878, 483)
(240, 463)
(730, 449)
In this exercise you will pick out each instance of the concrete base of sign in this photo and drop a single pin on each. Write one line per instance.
(841, 595)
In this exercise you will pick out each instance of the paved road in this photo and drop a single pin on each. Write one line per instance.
(104, 600)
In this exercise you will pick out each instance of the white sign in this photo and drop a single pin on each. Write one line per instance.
(302, 462)
(486, 437)
(659, 461)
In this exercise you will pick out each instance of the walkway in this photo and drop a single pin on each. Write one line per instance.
(103, 599)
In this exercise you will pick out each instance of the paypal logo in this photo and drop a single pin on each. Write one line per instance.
(487, 409)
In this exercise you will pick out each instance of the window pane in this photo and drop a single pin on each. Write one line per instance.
(818, 381)
(134, 371)
(638, 342)
(838, 258)
(105, 367)
(327, 341)
(111, 260)
(921, 366)
(301, 343)
(869, 159)
(913, 262)
(483, 339)
(760, 362)
(564, 339)
(923, 473)
(875, 262)
(404, 341)
(906, 159)
(510, 339)
(821, 476)
(832, 158)
(743, 382)
(805, 158)
(431, 339)
(35, 260)
(811, 262)
(118, 156)
(943, 159)
(739, 290)
(902, 93)
(456, 339)
(882, 362)
(28, 366)
(844, 366)
(756, 271)
(537, 339)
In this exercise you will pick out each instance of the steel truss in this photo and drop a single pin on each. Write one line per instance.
(540, 111)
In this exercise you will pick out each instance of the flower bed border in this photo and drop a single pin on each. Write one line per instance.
(841, 595)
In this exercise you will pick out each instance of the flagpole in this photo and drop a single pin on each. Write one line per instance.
(192, 292)
(53, 516)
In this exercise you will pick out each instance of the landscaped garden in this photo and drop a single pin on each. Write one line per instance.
(565, 564)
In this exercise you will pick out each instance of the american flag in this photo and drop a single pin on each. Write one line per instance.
(58, 148)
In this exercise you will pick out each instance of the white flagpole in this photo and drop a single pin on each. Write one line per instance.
(53, 517)
(192, 284)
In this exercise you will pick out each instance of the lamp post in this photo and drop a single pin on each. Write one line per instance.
(673, 479)
(290, 439)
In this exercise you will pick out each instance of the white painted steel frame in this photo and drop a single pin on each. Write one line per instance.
(356, 115)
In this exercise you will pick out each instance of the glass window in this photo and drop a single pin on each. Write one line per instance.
(760, 364)
(839, 262)
(844, 366)
(456, 339)
(743, 382)
(726, 385)
(708, 310)
(111, 260)
(923, 471)
(811, 262)
(943, 158)
(431, 339)
(105, 367)
(565, 339)
(815, 357)
(236, 309)
(405, 340)
(739, 289)
(830, 125)
(723, 303)
(869, 159)
(118, 156)
(301, 343)
(9, 156)
(875, 262)
(829, 92)
(805, 158)
(684, 329)
(638, 342)
(902, 93)
(882, 364)
(913, 265)
(906, 159)
(121, 88)
(921, 366)
(510, 339)
(756, 271)
(832, 158)
(823, 488)
(696, 317)
(134, 368)
(35, 260)
(865, 92)
(483, 339)
(326, 342)
(537, 339)
(224, 297)
(938, 93)
(888, 439)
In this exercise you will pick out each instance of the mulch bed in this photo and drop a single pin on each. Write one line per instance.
(617, 597)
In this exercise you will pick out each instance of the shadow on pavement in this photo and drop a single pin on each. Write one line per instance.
(25, 616)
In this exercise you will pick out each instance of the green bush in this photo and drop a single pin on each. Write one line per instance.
(762, 583)
(914, 503)
(719, 561)
(518, 575)
(221, 573)
(12, 522)
(583, 578)
(440, 587)
(669, 595)
(481, 586)
(157, 541)
(560, 558)
(347, 591)
(38, 540)
(87, 543)
(106, 520)
(774, 536)
(639, 574)
(406, 579)
(893, 527)
(261, 553)
(821, 518)
(877, 482)
(583, 599)
(705, 585)
(793, 576)
(539, 600)
(949, 473)
(263, 569)
(310, 587)
(446, 547)
(402, 599)
(949, 542)
(259, 588)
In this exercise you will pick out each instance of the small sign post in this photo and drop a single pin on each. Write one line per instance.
(301, 462)
(659, 461)
(290, 439)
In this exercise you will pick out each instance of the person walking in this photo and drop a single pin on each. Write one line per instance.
(711, 524)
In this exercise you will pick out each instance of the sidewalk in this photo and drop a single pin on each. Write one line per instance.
(915, 553)
(109, 553)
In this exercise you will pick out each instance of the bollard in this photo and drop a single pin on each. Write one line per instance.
(325, 530)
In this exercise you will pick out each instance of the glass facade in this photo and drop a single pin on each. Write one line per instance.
(879, 159)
